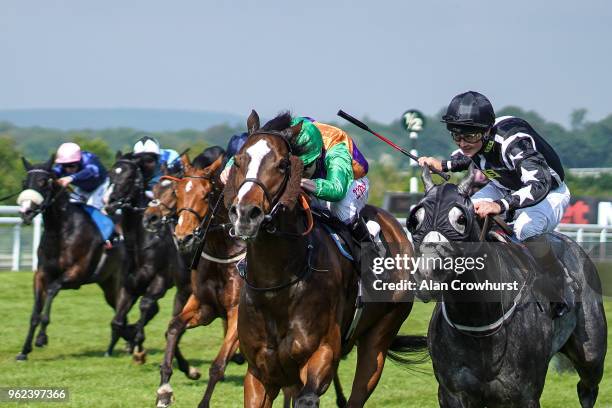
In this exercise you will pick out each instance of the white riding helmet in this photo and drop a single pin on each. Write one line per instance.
(146, 144)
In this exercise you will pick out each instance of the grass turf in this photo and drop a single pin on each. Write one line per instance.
(79, 333)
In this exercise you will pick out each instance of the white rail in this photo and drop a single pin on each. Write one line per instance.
(16, 246)
(579, 232)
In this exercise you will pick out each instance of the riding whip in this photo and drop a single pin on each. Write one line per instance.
(365, 127)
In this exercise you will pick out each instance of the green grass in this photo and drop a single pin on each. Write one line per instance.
(79, 333)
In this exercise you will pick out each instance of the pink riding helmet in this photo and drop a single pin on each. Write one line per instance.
(68, 153)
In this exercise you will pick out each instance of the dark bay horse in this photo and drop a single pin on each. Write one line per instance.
(492, 347)
(71, 251)
(153, 264)
(216, 283)
(299, 295)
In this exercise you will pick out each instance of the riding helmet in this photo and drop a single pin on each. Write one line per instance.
(469, 112)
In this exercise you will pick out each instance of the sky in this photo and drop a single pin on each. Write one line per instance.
(375, 58)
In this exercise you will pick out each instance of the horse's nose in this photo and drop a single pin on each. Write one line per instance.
(186, 241)
(254, 213)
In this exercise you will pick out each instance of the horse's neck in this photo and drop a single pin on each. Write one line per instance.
(55, 216)
(131, 222)
(274, 259)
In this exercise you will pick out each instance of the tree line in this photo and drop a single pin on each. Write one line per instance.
(584, 144)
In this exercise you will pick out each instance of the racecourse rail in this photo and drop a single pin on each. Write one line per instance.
(13, 257)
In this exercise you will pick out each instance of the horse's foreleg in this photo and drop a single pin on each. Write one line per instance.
(317, 374)
(340, 398)
(119, 323)
(45, 317)
(189, 317)
(40, 292)
(148, 309)
(255, 393)
(229, 347)
(180, 300)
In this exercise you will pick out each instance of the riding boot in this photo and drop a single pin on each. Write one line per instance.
(552, 281)
(366, 248)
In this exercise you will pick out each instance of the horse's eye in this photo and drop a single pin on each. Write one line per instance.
(283, 165)
(42, 182)
(416, 219)
(457, 219)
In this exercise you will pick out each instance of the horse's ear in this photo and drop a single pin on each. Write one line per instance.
(253, 122)
(118, 155)
(26, 164)
(465, 186)
(49, 163)
(293, 132)
(214, 166)
(426, 177)
(185, 160)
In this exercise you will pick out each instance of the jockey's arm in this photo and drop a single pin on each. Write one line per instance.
(534, 172)
(458, 162)
(87, 172)
(338, 165)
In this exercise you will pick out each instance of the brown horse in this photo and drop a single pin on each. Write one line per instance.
(71, 251)
(299, 296)
(216, 284)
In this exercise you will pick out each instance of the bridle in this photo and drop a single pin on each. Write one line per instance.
(276, 205)
(273, 202)
(49, 199)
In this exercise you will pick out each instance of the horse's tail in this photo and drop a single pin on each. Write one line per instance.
(409, 349)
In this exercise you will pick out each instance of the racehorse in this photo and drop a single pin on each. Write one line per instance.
(216, 284)
(153, 262)
(71, 251)
(493, 348)
(299, 295)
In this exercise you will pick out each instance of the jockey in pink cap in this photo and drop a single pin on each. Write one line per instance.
(84, 171)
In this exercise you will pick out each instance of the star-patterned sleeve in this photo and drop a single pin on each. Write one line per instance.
(458, 162)
(534, 173)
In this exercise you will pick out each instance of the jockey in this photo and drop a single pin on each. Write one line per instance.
(152, 158)
(335, 174)
(84, 171)
(525, 173)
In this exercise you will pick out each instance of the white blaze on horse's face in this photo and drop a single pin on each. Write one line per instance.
(257, 152)
(189, 186)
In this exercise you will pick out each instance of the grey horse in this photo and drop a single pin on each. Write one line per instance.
(492, 347)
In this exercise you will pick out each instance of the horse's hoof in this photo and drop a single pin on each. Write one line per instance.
(140, 357)
(238, 358)
(108, 354)
(194, 373)
(21, 357)
(307, 401)
(164, 396)
(41, 341)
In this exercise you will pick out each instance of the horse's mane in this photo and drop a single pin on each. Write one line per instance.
(281, 122)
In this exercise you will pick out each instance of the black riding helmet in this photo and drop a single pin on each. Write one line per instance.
(469, 112)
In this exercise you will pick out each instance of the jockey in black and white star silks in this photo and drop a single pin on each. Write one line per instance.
(525, 173)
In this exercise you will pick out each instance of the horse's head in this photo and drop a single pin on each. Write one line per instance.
(163, 206)
(442, 220)
(265, 176)
(126, 187)
(38, 188)
(195, 193)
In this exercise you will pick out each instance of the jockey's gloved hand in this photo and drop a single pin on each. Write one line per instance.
(308, 185)
(64, 181)
(149, 194)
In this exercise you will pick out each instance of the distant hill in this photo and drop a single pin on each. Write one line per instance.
(152, 120)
